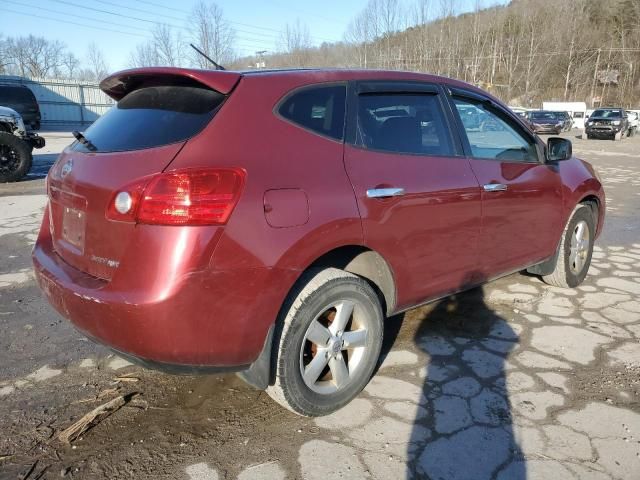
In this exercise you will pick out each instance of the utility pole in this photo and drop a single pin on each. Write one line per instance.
(260, 63)
(595, 75)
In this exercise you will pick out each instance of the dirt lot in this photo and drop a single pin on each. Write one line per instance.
(516, 380)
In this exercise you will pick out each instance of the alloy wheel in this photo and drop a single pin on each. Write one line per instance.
(333, 347)
(580, 242)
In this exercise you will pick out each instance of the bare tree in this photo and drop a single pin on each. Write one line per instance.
(169, 46)
(296, 41)
(97, 65)
(361, 32)
(524, 51)
(4, 57)
(71, 64)
(212, 34)
(144, 55)
(166, 48)
(34, 56)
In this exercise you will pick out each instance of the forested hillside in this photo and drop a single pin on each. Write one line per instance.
(525, 52)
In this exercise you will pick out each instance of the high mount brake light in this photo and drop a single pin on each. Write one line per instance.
(203, 196)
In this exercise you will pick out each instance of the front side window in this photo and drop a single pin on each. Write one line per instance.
(491, 134)
(320, 109)
(403, 123)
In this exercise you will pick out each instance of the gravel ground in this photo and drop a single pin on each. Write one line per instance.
(515, 380)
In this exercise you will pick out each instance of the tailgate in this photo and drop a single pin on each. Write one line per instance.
(81, 185)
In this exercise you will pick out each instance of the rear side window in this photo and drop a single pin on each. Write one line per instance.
(319, 109)
(13, 96)
(403, 123)
(153, 116)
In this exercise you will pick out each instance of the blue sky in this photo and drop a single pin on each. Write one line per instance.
(257, 22)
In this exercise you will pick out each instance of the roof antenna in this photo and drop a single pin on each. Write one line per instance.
(218, 67)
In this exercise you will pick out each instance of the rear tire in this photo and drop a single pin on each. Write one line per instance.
(328, 343)
(15, 158)
(575, 250)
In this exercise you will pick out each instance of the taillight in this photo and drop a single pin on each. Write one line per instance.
(181, 197)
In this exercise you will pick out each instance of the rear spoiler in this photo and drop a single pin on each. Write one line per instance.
(125, 81)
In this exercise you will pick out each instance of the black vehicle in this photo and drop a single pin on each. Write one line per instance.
(543, 121)
(23, 101)
(16, 145)
(611, 123)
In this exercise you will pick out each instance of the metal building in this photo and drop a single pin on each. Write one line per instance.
(65, 102)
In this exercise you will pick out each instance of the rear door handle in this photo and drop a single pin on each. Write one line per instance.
(385, 192)
(495, 187)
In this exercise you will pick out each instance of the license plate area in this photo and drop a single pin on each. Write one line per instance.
(73, 227)
(69, 214)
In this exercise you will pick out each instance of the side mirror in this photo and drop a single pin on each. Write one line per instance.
(558, 149)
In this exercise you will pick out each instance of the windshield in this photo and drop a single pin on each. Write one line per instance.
(607, 113)
(151, 117)
(544, 116)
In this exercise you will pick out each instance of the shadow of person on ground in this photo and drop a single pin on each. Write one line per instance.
(468, 416)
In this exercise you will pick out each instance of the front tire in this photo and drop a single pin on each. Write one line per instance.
(576, 248)
(15, 158)
(328, 343)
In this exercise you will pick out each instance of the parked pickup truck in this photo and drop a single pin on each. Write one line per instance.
(611, 123)
(16, 145)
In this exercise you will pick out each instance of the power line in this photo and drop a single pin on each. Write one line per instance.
(33, 15)
(84, 17)
(186, 15)
(258, 27)
(259, 42)
(248, 43)
(239, 45)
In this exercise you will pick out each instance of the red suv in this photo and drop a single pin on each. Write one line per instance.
(267, 222)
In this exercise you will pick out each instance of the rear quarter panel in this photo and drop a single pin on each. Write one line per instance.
(276, 155)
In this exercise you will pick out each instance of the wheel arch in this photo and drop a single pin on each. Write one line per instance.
(365, 263)
(593, 202)
(356, 259)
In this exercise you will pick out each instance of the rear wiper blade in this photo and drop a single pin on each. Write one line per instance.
(84, 140)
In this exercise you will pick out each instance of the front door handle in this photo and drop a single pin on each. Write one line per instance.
(495, 187)
(385, 192)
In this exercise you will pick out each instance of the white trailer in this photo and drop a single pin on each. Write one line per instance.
(577, 110)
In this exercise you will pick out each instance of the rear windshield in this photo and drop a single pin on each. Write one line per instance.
(10, 95)
(151, 117)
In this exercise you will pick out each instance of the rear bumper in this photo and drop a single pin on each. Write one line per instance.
(209, 321)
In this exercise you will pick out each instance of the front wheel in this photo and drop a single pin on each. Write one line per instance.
(575, 250)
(328, 343)
(15, 158)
